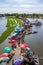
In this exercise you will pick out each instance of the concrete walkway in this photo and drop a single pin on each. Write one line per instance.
(17, 53)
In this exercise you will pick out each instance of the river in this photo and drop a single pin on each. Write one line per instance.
(35, 41)
(3, 21)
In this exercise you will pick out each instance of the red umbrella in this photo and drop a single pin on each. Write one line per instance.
(4, 55)
(13, 41)
(25, 46)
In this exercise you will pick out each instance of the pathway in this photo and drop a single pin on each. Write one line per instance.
(17, 53)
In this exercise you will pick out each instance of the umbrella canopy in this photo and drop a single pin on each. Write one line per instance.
(18, 36)
(25, 46)
(28, 49)
(14, 34)
(17, 31)
(4, 55)
(18, 28)
(7, 49)
(1, 59)
(13, 41)
(18, 62)
(6, 59)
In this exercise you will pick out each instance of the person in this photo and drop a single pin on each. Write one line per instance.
(10, 55)
(13, 46)
(17, 62)
(13, 62)
(18, 42)
(19, 39)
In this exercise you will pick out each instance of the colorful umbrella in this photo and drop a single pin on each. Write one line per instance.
(1, 59)
(25, 46)
(6, 59)
(16, 31)
(19, 36)
(18, 62)
(18, 28)
(4, 55)
(14, 34)
(28, 49)
(7, 49)
(12, 41)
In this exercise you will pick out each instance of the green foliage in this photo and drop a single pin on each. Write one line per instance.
(6, 34)
(19, 21)
(10, 27)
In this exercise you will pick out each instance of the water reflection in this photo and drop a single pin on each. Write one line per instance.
(3, 21)
(35, 41)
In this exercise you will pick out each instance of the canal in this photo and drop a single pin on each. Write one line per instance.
(35, 41)
(3, 21)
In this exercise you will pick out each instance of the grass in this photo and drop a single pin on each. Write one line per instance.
(19, 21)
(10, 27)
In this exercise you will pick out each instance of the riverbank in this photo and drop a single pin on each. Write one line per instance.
(10, 27)
(35, 41)
(34, 15)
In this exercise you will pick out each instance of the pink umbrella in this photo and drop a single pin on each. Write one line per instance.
(13, 41)
(4, 55)
(25, 46)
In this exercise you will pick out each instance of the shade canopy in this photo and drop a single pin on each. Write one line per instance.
(18, 36)
(13, 41)
(28, 49)
(4, 55)
(18, 62)
(18, 28)
(6, 59)
(1, 60)
(17, 31)
(14, 34)
(7, 49)
(25, 46)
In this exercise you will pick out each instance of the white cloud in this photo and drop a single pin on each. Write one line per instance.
(4, 5)
(21, 10)
(21, 6)
(26, 1)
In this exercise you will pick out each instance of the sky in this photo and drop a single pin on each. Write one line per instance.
(21, 6)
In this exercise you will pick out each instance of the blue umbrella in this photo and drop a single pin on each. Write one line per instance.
(18, 28)
(18, 62)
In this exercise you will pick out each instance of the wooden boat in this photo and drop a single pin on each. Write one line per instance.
(34, 32)
(36, 59)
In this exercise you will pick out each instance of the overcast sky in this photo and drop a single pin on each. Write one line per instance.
(21, 6)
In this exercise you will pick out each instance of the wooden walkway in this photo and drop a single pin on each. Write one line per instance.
(17, 53)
